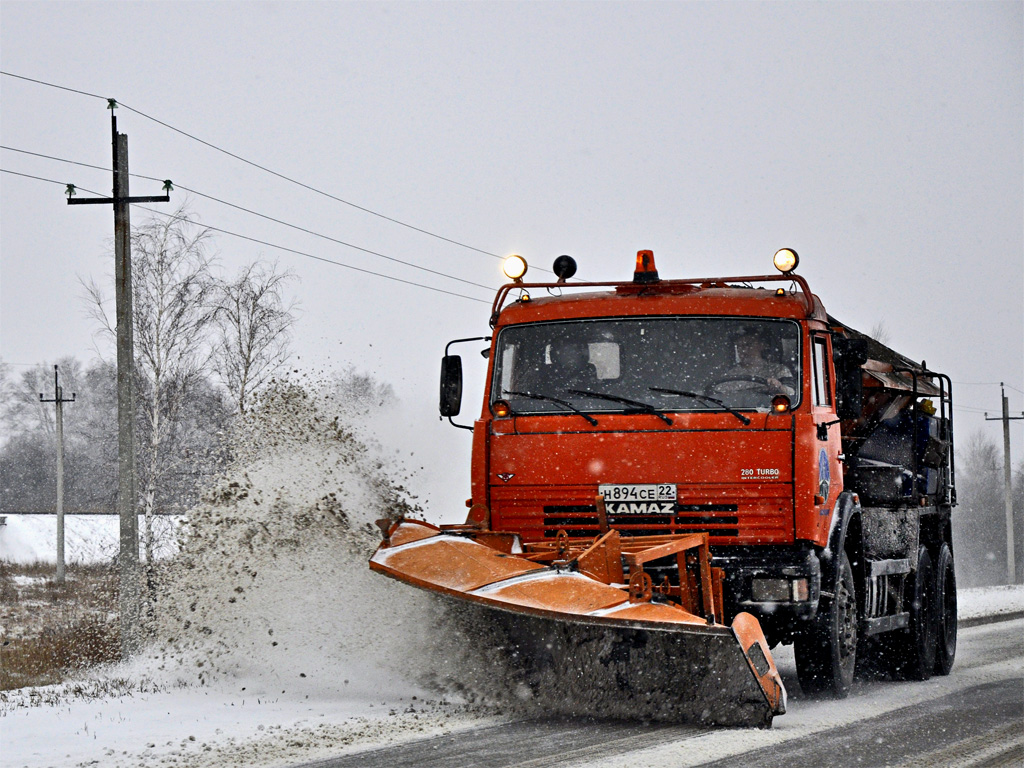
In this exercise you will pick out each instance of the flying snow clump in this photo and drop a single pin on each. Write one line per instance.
(271, 582)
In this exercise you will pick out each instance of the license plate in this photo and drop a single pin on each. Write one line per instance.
(638, 492)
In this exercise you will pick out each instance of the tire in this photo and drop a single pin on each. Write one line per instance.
(914, 648)
(826, 655)
(945, 611)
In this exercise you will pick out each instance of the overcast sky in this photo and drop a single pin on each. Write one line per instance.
(882, 141)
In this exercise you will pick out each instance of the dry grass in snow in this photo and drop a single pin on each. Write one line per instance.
(48, 629)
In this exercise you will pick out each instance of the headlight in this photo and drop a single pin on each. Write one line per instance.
(779, 590)
(786, 260)
(770, 590)
(514, 267)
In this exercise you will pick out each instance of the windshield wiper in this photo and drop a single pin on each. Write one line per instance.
(638, 404)
(704, 398)
(550, 399)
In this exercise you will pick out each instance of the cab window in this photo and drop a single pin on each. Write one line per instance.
(819, 372)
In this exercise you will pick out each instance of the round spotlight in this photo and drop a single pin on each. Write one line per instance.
(514, 267)
(780, 404)
(564, 267)
(501, 409)
(786, 260)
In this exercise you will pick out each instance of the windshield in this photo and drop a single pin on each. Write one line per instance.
(668, 363)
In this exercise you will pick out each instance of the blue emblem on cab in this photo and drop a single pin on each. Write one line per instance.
(824, 475)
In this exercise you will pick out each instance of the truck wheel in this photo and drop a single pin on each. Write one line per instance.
(827, 654)
(945, 611)
(914, 647)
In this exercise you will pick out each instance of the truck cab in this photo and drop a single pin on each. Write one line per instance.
(817, 460)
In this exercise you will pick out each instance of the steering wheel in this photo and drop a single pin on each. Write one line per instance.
(737, 377)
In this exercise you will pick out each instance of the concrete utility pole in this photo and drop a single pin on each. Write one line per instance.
(58, 399)
(128, 558)
(1011, 564)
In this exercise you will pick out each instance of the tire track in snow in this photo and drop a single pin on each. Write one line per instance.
(522, 744)
(965, 728)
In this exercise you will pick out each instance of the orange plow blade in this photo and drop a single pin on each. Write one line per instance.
(591, 605)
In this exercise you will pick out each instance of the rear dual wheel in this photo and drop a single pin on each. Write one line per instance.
(827, 653)
(945, 611)
(914, 650)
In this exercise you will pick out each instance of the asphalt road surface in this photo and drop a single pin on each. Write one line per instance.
(973, 718)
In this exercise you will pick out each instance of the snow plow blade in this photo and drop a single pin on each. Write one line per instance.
(570, 600)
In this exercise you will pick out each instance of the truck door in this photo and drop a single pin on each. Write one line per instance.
(827, 440)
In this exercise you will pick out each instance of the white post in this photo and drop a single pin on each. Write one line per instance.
(60, 479)
(1011, 565)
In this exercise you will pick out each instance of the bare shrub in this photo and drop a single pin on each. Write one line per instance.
(8, 592)
(47, 658)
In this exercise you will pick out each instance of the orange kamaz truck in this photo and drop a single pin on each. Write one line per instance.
(676, 458)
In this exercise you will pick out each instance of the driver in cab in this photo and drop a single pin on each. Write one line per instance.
(752, 371)
(570, 365)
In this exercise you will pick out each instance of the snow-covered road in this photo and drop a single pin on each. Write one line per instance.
(245, 723)
(974, 717)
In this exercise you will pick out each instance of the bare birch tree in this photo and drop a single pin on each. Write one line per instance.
(20, 406)
(880, 333)
(253, 321)
(173, 290)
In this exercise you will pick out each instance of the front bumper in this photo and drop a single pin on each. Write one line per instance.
(779, 585)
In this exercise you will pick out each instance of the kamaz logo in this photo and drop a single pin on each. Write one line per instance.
(642, 508)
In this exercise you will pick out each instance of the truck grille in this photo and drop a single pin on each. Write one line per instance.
(581, 521)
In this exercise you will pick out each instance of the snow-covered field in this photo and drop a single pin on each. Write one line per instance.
(87, 538)
(990, 601)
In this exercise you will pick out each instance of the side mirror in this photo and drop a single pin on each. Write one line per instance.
(849, 355)
(451, 385)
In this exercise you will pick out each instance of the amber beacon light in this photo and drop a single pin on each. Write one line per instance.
(645, 272)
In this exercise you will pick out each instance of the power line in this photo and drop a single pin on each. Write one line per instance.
(30, 176)
(52, 85)
(272, 245)
(25, 365)
(317, 258)
(974, 409)
(330, 239)
(65, 160)
(261, 167)
(988, 384)
(262, 216)
(312, 188)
